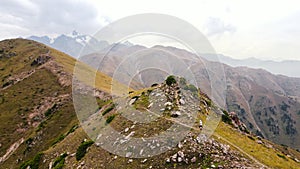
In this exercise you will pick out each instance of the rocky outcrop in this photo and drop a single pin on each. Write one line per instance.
(42, 59)
(208, 152)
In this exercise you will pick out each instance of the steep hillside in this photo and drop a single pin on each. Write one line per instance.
(39, 127)
(36, 102)
(268, 104)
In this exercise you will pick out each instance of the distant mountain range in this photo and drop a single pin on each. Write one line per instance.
(71, 44)
(287, 67)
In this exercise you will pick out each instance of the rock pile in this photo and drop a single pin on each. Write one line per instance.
(236, 122)
(42, 59)
(208, 152)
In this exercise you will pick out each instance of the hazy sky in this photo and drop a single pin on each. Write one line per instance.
(238, 28)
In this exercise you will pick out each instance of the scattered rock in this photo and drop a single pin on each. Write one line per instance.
(143, 161)
(181, 101)
(259, 141)
(175, 114)
(200, 124)
(180, 145)
(128, 154)
(132, 101)
(180, 154)
(150, 105)
(193, 160)
(40, 60)
(168, 104)
(126, 130)
(174, 158)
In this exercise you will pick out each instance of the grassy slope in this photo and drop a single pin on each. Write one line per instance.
(267, 156)
(86, 73)
(21, 99)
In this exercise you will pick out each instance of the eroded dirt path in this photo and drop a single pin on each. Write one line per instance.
(11, 150)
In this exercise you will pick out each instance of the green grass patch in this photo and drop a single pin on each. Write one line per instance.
(60, 138)
(110, 118)
(59, 161)
(33, 163)
(142, 101)
(281, 156)
(50, 110)
(81, 150)
(73, 128)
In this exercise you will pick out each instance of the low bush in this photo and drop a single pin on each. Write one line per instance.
(59, 161)
(33, 163)
(170, 80)
(81, 150)
(110, 119)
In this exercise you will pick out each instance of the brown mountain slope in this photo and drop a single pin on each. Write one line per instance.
(268, 104)
(39, 126)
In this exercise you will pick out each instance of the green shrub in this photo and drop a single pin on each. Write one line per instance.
(135, 97)
(60, 138)
(50, 110)
(33, 163)
(226, 119)
(154, 84)
(170, 80)
(72, 129)
(41, 126)
(59, 161)
(81, 150)
(108, 109)
(110, 119)
(191, 88)
(182, 81)
(281, 156)
(250, 137)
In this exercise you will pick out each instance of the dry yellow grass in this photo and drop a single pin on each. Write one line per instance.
(267, 156)
(89, 75)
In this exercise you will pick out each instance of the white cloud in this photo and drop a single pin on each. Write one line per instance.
(248, 28)
(215, 26)
(49, 17)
